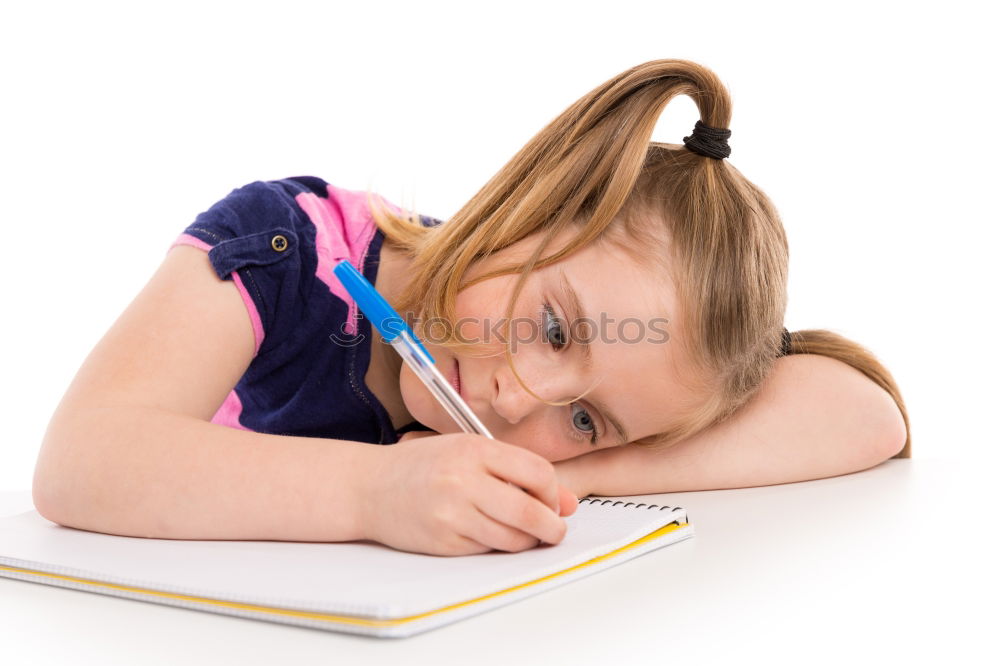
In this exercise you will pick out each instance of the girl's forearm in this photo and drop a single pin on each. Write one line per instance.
(815, 417)
(149, 473)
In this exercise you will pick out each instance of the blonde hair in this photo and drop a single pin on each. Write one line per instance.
(594, 170)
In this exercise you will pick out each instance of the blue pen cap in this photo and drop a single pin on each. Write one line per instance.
(377, 309)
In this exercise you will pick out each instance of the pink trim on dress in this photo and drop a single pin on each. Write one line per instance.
(229, 413)
(258, 327)
(344, 230)
(255, 322)
(188, 239)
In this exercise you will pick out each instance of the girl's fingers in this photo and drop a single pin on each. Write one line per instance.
(484, 530)
(525, 469)
(513, 520)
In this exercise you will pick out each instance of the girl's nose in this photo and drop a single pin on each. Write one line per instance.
(511, 402)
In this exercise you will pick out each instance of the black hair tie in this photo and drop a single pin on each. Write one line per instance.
(786, 343)
(709, 141)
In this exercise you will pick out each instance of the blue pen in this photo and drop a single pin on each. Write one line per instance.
(398, 333)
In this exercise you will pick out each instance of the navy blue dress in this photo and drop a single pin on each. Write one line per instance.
(278, 242)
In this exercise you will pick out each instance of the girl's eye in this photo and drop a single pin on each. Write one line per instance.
(583, 422)
(553, 331)
(552, 328)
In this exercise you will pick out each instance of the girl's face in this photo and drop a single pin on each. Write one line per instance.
(632, 356)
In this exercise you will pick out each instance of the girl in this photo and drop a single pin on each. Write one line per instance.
(610, 308)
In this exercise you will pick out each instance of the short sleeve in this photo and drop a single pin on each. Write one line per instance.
(253, 237)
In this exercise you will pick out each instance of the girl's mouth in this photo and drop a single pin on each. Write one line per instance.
(456, 380)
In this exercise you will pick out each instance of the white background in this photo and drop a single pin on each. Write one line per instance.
(870, 125)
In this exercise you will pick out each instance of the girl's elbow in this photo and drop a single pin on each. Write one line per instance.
(891, 431)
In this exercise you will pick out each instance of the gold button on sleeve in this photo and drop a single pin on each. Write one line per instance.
(279, 243)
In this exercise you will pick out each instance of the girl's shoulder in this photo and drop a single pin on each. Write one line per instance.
(270, 219)
(278, 241)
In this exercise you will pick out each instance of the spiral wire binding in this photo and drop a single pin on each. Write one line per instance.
(594, 500)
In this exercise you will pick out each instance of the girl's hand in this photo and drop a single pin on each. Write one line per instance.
(571, 482)
(451, 495)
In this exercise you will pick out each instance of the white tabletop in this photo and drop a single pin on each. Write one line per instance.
(893, 563)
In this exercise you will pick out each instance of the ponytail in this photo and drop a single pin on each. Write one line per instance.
(684, 212)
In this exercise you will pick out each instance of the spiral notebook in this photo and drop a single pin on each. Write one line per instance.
(359, 587)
